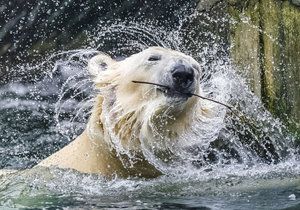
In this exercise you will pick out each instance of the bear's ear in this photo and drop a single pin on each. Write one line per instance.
(98, 63)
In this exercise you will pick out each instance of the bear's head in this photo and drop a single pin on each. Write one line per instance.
(130, 115)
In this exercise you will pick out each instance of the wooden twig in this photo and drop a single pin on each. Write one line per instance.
(184, 93)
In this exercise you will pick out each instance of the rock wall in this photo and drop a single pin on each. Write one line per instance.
(265, 47)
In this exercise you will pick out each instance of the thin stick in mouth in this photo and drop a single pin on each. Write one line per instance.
(184, 93)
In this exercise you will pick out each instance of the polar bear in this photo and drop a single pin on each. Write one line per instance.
(128, 116)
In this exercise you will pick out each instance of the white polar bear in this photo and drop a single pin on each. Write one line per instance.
(127, 115)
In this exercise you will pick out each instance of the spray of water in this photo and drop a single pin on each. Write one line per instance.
(221, 139)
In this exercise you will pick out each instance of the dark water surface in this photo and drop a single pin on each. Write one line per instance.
(218, 189)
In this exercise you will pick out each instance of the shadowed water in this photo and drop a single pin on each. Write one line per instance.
(245, 160)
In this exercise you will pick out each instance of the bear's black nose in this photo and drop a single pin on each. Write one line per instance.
(183, 77)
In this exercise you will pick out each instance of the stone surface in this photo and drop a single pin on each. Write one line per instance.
(265, 46)
(270, 51)
(245, 44)
(291, 61)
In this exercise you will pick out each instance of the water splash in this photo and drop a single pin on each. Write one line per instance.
(257, 138)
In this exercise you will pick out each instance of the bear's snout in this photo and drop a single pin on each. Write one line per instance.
(183, 78)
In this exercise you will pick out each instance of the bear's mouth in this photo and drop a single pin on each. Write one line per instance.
(169, 91)
(174, 94)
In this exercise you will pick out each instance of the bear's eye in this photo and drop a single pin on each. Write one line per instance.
(154, 58)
